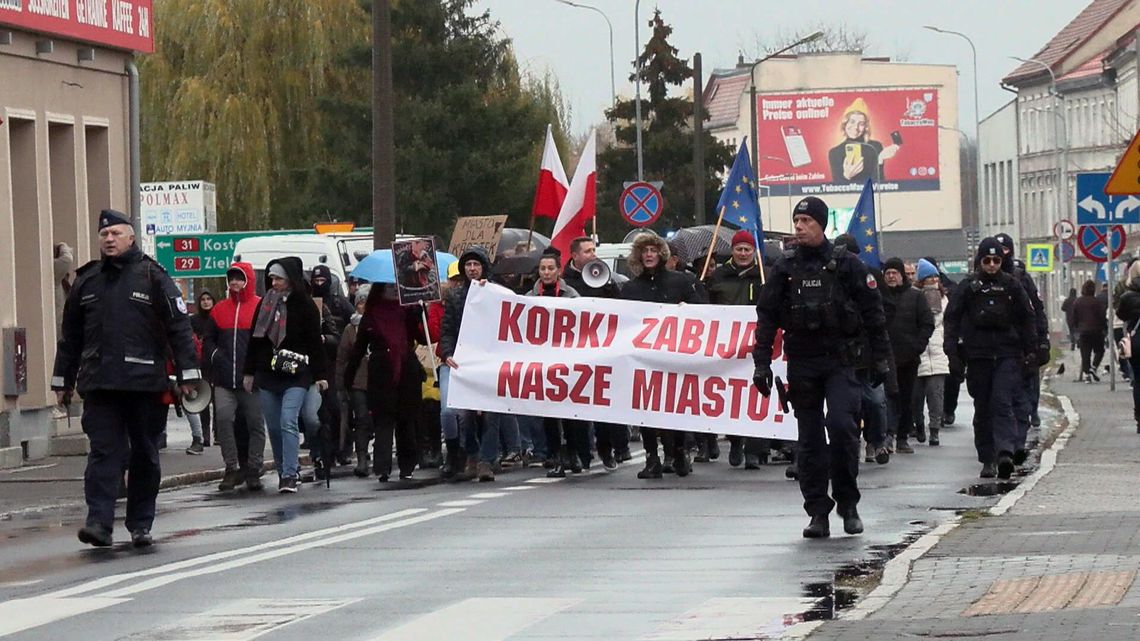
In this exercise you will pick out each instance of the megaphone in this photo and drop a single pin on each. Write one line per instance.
(596, 273)
(198, 398)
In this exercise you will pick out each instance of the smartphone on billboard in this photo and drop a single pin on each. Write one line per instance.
(854, 153)
(796, 145)
(896, 138)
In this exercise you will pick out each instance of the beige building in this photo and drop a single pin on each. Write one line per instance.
(803, 101)
(64, 155)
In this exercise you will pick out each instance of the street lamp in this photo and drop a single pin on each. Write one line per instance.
(637, 85)
(977, 114)
(1058, 135)
(613, 87)
(752, 99)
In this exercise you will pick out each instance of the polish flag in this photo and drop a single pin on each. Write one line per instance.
(581, 201)
(552, 183)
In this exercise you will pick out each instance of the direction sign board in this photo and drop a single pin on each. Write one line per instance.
(205, 255)
(1064, 251)
(1064, 229)
(1125, 179)
(640, 204)
(1093, 242)
(1094, 207)
(1039, 257)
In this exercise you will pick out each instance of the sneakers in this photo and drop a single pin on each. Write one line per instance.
(883, 455)
(1005, 466)
(96, 536)
(869, 453)
(681, 463)
(287, 485)
(667, 467)
(472, 467)
(141, 538)
(195, 448)
(512, 459)
(361, 469)
(1092, 375)
(818, 528)
(652, 469)
(714, 449)
(608, 461)
(230, 480)
(253, 482)
(948, 419)
(623, 456)
(484, 472)
(556, 472)
(702, 451)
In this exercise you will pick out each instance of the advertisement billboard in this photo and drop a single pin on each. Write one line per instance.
(831, 142)
(117, 24)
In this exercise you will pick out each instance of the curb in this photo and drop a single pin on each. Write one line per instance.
(896, 573)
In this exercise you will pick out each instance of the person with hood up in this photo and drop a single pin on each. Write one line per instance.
(388, 334)
(481, 455)
(200, 427)
(225, 346)
(1128, 311)
(933, 366)
(654, 283)
(991, 316)
(326, 287)
(357, 388)
(909, 325)
(285, 356)
(1070, 319)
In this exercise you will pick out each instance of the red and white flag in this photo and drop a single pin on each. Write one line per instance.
(581, 201)
(552, 183)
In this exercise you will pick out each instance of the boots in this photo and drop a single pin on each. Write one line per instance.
(652, 468)
(231, 479)
(818, 528)
(935, 428)
(362, 462)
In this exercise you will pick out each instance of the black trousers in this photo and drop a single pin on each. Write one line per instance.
(1091, 344)
(611, 438)
(752, 446)
(828, 446)
(567, 437)
(993, 383)
(673, 441)
(124, 430)
(950, 394)
(904, 412)
(385, 426)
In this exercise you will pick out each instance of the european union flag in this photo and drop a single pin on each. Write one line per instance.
(862, 227)
(738, 204)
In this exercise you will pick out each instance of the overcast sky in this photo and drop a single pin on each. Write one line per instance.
(574, 43)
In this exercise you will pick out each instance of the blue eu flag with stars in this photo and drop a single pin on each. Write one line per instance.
(862, 227)
(737, 202)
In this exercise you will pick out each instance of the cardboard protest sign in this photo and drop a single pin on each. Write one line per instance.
(477, 231)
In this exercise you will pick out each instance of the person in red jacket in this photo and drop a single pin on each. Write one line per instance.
(225, 342)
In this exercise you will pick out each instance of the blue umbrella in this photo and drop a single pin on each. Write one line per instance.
(377, 267)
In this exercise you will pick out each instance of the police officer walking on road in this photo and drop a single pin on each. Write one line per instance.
(991, 317)
(123, 319)
(829, 307)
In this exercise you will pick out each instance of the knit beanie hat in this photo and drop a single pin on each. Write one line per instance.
(815, 208)
(743, 236)
(925, 269)
(894, 263)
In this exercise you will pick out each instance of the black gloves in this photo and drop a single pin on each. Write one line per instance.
(883, 373)
(762, 379)
(957, 365)
(1043, 354)
(1029, 365)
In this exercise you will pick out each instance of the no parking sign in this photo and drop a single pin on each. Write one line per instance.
(640, 204)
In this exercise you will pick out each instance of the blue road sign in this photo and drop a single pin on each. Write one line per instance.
(1093, 242)
(640, 204)
(1064, 251)
(1096, 208)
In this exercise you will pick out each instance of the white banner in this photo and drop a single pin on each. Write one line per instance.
(684, 367)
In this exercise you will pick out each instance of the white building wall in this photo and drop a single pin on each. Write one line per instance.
(998, 156)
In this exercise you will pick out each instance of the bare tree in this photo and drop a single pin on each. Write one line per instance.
(837, 37)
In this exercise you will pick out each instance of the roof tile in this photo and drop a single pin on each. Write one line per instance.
(1087, 23)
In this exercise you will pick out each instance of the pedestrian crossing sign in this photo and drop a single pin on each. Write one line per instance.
(1039, 258)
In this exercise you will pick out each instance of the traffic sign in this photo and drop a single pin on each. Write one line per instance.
(1125, 179)
(1039, 257)
(205, 255)
(1094, 207)
(1064, 251)
(640, 204)
(1093, 242)
(1064, 229)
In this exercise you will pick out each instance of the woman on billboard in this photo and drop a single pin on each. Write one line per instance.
(858, 157)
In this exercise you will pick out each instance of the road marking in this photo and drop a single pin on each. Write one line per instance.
(459, 503)
(485, 619)
(488, 495)
(242, 620)
(114, 579)
(20, 584)
(514, 488)
(30, 468)
(18, 615)
(734, 618)
(542, 480)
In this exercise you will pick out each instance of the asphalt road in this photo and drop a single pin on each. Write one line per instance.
(597, 556)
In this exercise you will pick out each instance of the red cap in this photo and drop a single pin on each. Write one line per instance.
(743, 236)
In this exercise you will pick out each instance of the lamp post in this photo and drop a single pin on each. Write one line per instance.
(977, 113)
(613, 86)
(752, 100)
(1058, 135)
(637, 85)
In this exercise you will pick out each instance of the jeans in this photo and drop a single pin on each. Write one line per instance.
(195, 422)
(311, 412)
(228, 404)
(491, 423)
(282, 414)
(532, 435)
(454, 423)
(928, 391)
(509, 437)
(874, 411)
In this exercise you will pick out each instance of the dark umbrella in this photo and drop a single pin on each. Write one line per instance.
(513, 242)
(515, 265)
(692, 243)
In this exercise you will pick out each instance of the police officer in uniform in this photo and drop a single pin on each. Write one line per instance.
(123, 319)
(991, 317)
(829, 307)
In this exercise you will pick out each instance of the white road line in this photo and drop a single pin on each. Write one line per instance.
(733, 618)
(542, 480)
(242, 620)
(114, 579)
(18, 615)
(247, 559)
(459, 503)
(514, 488)
(485, 619)
(488, 495)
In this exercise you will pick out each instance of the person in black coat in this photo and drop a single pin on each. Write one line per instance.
(1128, 311)
(286, 355)
(909, 325)
(1089, 313)
(388, 334)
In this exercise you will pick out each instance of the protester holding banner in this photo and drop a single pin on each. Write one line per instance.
(828, 305)
(388, 334)
(652, 282)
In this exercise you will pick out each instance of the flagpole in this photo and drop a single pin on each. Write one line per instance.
(759, 261)
(530, 233)
(712, 244)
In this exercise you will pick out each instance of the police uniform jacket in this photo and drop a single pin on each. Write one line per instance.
(731, 285)
(123, 319)
(820, 285)
(991, 316)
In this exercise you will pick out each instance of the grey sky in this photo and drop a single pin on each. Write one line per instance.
(574, 45)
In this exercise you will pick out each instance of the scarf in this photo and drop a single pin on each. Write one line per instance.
(387, 320)
(271, 317)
(542, 289)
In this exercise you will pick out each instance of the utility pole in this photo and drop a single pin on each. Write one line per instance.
(700, 216)
(383, 145)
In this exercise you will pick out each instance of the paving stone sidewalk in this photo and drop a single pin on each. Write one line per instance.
(1061, 564)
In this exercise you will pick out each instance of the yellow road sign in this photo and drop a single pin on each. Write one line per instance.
(1039, 257)
(1125, 179)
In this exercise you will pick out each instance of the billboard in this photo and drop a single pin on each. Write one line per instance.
(187, 207)
(116, 24)
(831, 142)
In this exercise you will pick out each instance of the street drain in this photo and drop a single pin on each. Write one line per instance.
(988, 489)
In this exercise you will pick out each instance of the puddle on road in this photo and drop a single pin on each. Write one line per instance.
(989, 489)
(269, 517)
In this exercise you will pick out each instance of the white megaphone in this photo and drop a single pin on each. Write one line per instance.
(596, 273)
(198, 398)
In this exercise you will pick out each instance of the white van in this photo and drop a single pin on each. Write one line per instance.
(615, 255)
(341, 252)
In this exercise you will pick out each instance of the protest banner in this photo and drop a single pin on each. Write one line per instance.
(417, 277)
(477, 231)
(682, 367)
